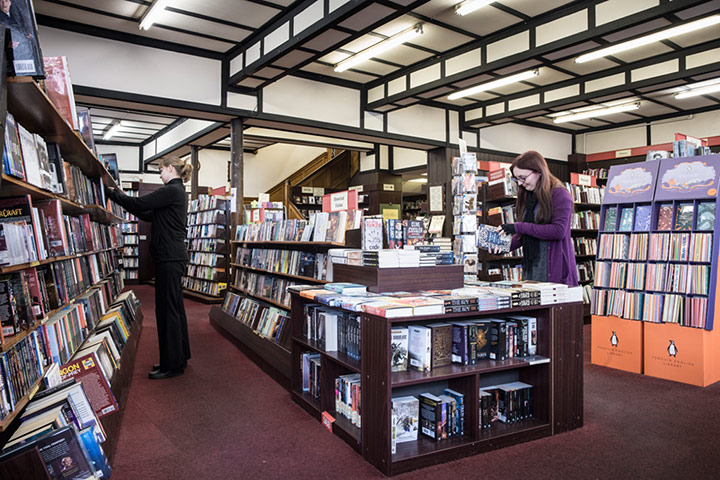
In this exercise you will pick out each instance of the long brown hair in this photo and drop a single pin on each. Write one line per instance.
(183, 168)
(547, 182)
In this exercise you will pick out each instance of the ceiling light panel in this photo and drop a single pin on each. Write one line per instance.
(380, 48)
(597, 112)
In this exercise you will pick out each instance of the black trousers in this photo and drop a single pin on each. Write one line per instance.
(170, 315)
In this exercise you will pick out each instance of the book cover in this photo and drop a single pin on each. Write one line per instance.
(441, 344)
(413, 230)
(706, 216)
(399, 349)
(85, 127)
(626, 219)
(23, 50)
(419, 347)
(489, 238)
(610, 219)
(665, 213)
(59, 88)
(12, 155)
(407, 411)
(30, 157)
(684, 216)
(431, 422)
(86, 369)
(372, 233)
(643, 215)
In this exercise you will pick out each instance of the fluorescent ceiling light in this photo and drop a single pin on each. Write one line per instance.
(113, 131)
(418, 180)
(518, 77)
(703, 88)
(380, 47)
(647, 39)
(152, 14)
(597, 112)
(469, 6)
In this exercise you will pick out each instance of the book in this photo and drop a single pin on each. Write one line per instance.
(372, 233)
(665, 213)
(423, 305)
(420, 347)
(610, 219)
(407, 412)
(489, 238)
(413, 231)
(30, 156)
(684, 216)
(85, 127)
(706, 216)
(441, 344)
(643, 215)
(12, 155)
(59, 88)
(23, 49)
(626, 219)
(86, 369)
(431, 416)
(399, 349)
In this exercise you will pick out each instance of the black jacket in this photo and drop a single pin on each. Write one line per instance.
(166, 208)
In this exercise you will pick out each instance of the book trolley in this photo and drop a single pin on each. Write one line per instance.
(557, 386)
(206, 276)
(32, 108)
(655, 293)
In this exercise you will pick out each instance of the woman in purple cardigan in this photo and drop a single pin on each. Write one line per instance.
(546, 208)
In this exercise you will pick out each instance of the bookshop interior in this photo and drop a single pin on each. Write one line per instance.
(422, 238)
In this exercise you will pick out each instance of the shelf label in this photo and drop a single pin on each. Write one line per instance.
(318, 191)
(388, 187)
(585, 180)
(307, 189)
(263, 197)
(327, 420)
(623, 153)
(359, 188)
(143, 237)
(338, 201)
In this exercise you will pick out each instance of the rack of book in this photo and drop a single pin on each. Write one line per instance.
(130, 258)
(414, 205)
(208, 236)
(498, 195)
(656, 280)
(414, 379)
(465, 211)
(269, 257)
(59, 283)
(587, 197)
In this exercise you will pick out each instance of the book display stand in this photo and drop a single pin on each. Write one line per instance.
(656, 280)
(557, 386)
(77, 275)
(208, 226)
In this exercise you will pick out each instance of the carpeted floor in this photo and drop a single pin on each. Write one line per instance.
(226, 419)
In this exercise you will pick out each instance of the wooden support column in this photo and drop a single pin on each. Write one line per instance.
(194, 159)
(236, 171)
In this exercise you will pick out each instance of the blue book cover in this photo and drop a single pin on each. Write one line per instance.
(610, 218)
(643, 215)
(626, 219)
(706, 216)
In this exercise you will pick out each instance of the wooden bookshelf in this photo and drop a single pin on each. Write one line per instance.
(260, 297)
(20, 405)
(280, 274)
(23, 266)
(557, 386)
(290, 244)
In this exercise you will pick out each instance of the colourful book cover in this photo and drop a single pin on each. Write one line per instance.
(626, 219)
(665, 213)
(706, 216)
(684, 216)
(488, 237)
(610, 219)
(642, 218)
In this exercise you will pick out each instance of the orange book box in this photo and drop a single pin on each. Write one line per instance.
(617, 343)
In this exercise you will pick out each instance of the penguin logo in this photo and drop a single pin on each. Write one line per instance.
(672, 349)
(614, 339)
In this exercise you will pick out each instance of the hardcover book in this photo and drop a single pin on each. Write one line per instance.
(665, 213)
(706, 216)
(643, 214)
(684, 216)
(441, 348)
(610, 219)
(59, 88)
(372, 233)
(626, 219)
(489, 238)
(23, 49)
(12, 156)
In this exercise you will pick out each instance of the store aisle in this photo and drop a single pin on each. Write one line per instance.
(226, 419)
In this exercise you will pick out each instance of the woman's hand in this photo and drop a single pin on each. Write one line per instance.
(507, 228)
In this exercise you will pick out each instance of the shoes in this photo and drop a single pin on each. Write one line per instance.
(155, 367)
(159, 374)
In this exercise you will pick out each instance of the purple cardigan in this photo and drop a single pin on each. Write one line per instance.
(561, 255)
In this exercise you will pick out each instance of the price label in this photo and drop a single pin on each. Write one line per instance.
(388, 187)
(327, 420)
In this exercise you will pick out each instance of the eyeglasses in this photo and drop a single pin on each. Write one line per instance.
(524, 179)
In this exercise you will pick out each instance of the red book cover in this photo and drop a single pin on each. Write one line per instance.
(35, 295)
(87, 229)
(87, 370)
(56, 234)
(665, 214)
(59, 88)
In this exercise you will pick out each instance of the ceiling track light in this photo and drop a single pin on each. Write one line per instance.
(380, 47)
(694, 92)
(518, 77)
(598, 112)
(652, 38)
(114, 129)
(152, 14)
(469, 6)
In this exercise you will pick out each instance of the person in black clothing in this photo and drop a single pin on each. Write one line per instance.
(166, 209)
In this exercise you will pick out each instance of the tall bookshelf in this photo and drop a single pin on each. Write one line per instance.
(498, 267)
(557, 386)
(131, 239)
(208, 227)
(95, 269)
(656, 284)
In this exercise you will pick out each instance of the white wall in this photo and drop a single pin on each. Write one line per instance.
(407, 158)
(418, 121)
(274, 163)
(124, 67)
(513, 138)
(127, 157)
(700, 125)
(213, 168)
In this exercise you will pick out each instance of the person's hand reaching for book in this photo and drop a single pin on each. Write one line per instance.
(508, 228)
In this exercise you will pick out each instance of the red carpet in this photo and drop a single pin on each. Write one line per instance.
(226, 419)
